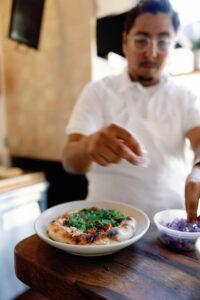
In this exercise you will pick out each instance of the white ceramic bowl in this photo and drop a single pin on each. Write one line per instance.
(178, 239)
(197, 248)
(42, 222)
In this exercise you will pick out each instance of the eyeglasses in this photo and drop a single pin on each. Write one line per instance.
(141, 43)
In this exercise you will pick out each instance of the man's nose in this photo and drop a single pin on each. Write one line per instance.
(152, 49)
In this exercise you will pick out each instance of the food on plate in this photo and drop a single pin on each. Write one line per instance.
(92, 226)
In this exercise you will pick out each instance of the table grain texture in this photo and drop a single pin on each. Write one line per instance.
(146, 270)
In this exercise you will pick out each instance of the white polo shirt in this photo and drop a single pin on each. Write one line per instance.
(160, 116)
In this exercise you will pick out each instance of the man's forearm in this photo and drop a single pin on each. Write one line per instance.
(196, 156)
(192, 187)
(75, 158)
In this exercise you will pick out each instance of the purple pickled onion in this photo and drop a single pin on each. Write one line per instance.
(183, 225)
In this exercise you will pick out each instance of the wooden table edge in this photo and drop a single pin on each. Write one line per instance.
(35, 274)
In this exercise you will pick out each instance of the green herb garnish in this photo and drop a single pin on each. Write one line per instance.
(94, 218)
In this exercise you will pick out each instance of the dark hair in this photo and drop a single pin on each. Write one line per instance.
(154, 7)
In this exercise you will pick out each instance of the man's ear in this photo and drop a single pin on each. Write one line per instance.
(124, 42)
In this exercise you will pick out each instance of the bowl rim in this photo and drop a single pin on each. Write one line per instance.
(174, 232)
(197, 245)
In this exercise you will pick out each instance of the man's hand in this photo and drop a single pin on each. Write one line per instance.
(112, 143)
(108, 145)
(192, 193)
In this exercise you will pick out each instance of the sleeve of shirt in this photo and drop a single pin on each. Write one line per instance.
(192, 112)
(87, 115)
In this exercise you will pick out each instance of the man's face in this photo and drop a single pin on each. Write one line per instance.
(146, 66)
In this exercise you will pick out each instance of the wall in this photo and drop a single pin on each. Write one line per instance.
(4, 155)
(107, 7)
(42, 86)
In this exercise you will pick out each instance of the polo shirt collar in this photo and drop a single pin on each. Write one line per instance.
(127, 83)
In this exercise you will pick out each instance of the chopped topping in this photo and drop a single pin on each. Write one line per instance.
(184, 225)
(64, 223)
(107, 227)
(91, 230)
(76, 233)
(93, 220)
(180, 240)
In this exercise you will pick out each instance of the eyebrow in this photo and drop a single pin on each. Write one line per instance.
(164, 33)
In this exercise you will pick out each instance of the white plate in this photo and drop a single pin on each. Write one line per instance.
(52, 213)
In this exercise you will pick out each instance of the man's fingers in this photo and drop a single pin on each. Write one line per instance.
(109, 155)
(121, 151)
(129, 155)
(114, 142)
(191, 201)
(128, 138)
(103, 154)
(191, 209)
(99, 159)
(135, 146)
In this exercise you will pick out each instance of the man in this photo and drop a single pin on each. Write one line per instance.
(120, 119)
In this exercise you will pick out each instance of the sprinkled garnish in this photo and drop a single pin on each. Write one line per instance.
(92, 220)
(179, 240)
(183, 225)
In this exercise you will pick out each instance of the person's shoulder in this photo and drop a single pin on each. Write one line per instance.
(109, 81)
(178, 86)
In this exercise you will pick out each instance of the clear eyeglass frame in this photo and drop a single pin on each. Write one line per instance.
(162, 45)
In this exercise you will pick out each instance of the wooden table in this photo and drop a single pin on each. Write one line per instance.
(146, 270)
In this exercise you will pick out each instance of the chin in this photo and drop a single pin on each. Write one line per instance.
(147, 80)
(149, 74)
